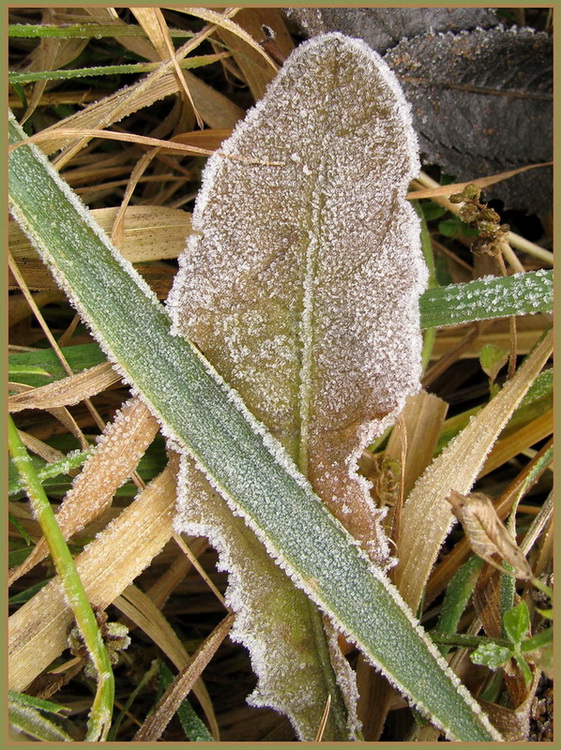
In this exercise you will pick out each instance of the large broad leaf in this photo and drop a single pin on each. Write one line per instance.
(300, 283)
(481, 96)
(244, 463)
(383, 28)
(483, 103)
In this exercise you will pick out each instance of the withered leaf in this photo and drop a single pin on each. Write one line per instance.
(486, 534)
(300, 284)
(480, 95)
(482, 103)
(383, 28)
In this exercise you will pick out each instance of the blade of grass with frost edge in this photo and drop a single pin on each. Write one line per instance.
(244, 463)
(487, 298)
(100, 716)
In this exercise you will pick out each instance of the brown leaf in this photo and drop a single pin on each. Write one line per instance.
(427, 516)
(486, 534)
(300, 282)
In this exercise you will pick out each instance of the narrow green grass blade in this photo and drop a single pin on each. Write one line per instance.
(245, 464)
(82, 31)
(106, 70)
(50, 470)
(491, 297)
(42, 366)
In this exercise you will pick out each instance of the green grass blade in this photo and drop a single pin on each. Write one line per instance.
(50, 470)
(491, 297)
(106, 70)
(82, 31)
(246, 465)
(42, 366)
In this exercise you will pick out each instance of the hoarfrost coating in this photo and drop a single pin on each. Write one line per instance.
(300, 282)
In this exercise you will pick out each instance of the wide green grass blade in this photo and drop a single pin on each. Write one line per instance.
(244, 463)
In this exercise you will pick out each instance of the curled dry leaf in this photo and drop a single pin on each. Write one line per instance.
(486, 534)
(300, 284)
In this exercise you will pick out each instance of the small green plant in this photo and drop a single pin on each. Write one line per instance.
(516, 623)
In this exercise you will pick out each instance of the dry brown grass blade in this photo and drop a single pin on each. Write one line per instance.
(487, 599)
(529, 328)
(427, 517)
(422, 417)
(67, 391)
(141, 140)
(175, 573)
(123, 444)
(323, 723)
(208, 139)
(142, 610)
(518, 441)
(226, 24)
(482, 182)
(217, 110)
(132, 95)
(155, 724)
(118, 228)
(38, 630)
(543, 564)
(47, 452)
(153, 22)
(256, 73)
(150, 233)
(159, 278)
(190, 555)
(453, 353)
(61, 413)
(57, 98)
(18, 306)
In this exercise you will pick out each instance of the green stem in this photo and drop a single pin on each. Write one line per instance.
(461, 640)
(100, 716)
(106, 70)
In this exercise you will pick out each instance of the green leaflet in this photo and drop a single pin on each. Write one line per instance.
(248, 467)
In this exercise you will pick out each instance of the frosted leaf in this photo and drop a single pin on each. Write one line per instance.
(300, 282)
(274, 620)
